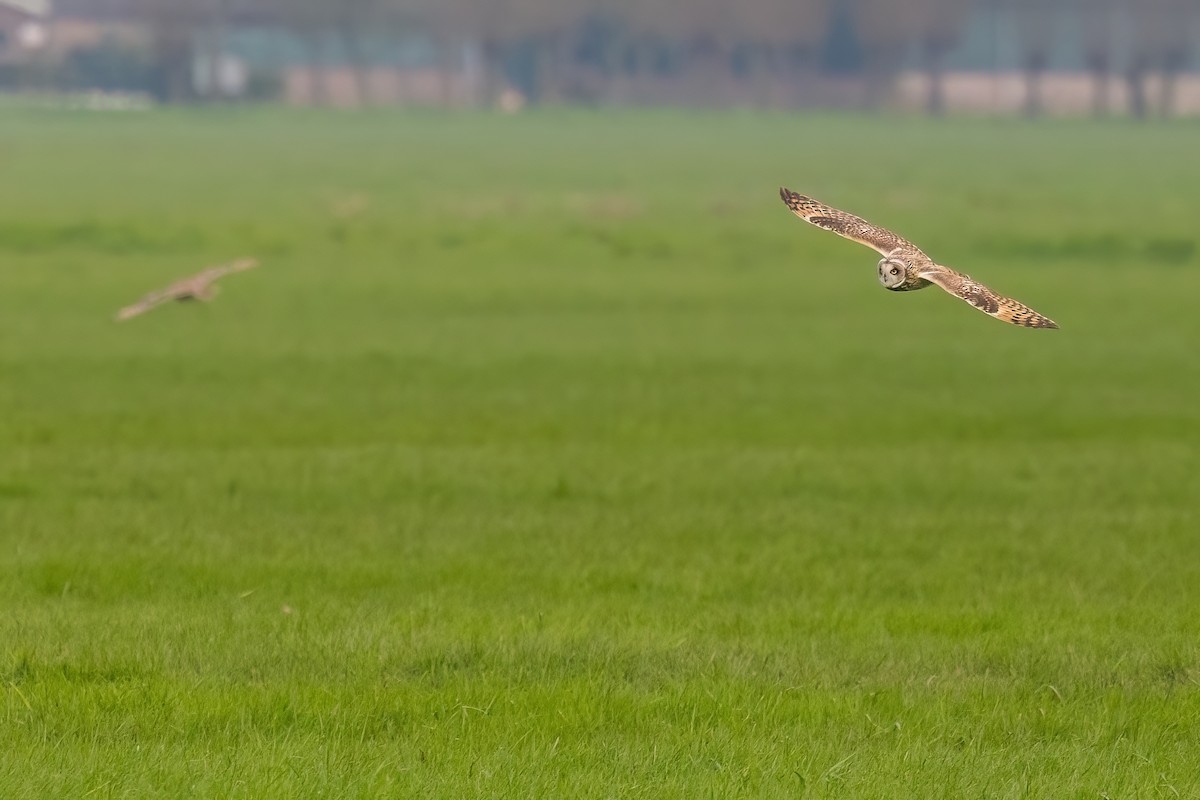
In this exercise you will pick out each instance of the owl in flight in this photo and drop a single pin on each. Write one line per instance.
(904, 268)
(201, 286)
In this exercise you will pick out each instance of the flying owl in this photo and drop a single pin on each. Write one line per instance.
(904, 267)
(201, 286)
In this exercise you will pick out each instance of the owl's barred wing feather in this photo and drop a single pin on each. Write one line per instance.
(849, 226)
(987, 301)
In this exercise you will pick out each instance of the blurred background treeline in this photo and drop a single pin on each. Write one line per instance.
(1013, 56)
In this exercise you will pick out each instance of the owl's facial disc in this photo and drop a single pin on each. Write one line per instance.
(892, 272)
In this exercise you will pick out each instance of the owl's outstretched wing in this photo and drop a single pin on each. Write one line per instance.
(212, 273)
(146, 303)
(197, 286)
(983, 298)
(850, 226)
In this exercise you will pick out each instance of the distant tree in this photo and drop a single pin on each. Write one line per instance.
(107, 65)
(354, 22)
(174, 26)
(709, 33)
(1161, 42)
(448, 24)
(1142, 52)
(507, 36)
(782, 37)
(1098, 26)
(311, 22)
(635, 33)
(346, 27)
(1035, 25)
(942, 23)
(544, 33)
(495, 26)
(185, 35)
(1177, 19)
(616, 41)
(888, 30)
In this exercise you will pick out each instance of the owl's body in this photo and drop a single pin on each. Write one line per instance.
(201, 286)
(905, 268)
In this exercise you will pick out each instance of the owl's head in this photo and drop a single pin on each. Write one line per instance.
(892, 272)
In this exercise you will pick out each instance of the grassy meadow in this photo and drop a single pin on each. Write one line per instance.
(550, 456)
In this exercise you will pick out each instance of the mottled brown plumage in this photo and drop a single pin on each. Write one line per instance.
(201, 286)
(905, 267)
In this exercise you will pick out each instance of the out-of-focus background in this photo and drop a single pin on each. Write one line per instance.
(546, 453)
(1026, 56)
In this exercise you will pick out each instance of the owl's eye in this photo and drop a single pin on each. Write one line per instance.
(895, 271)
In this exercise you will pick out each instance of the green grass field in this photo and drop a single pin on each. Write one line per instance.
(550, 456)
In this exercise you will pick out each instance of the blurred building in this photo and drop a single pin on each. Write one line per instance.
(23, 29)
(1071, 57)
(401, 69)
(76, 25)
(941, 56)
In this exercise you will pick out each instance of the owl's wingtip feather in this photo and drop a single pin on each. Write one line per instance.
(1039, 322)
(791, 199)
